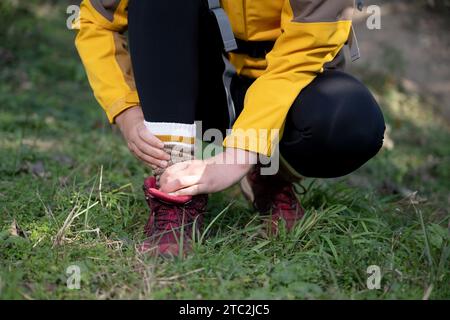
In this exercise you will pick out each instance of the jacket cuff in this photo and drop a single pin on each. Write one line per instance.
(260, 141)
(122, 104)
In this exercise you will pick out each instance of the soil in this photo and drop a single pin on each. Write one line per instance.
(413, 44)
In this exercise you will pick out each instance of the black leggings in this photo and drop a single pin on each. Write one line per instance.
(333, 127)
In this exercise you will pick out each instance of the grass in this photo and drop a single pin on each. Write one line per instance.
(70, 194)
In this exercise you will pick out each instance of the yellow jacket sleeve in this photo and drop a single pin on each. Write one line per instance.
(103, 49)
(313, 33)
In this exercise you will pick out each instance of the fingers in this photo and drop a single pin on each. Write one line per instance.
(151, 161)
(149, 138)
(191, 191)
(151, 151)
(182, 182)
(151, 145)
(181, 175)
(174, 171)
(188, 168)
(177, 168)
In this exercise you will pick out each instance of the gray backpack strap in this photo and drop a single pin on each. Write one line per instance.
(353, 45)
(229, 42)
(227, 78)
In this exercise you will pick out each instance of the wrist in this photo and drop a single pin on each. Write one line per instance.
(237, 157)
(128, 115)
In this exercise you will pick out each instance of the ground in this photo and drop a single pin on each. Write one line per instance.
(70, 195)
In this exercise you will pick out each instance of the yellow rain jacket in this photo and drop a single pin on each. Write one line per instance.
(307, 34)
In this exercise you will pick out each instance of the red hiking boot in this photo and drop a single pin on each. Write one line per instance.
(273, 196)
(172, 221)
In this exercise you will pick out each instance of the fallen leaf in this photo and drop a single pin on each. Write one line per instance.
(15, 230)
(37, 169)
(64, 160)
(63, 181)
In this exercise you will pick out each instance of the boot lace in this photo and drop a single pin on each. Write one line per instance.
(174, 217)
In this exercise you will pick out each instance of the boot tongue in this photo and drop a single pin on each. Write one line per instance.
(150, 186)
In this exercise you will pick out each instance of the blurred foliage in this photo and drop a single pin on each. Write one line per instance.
(18, 25)
(28, 30)
(438, 4)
